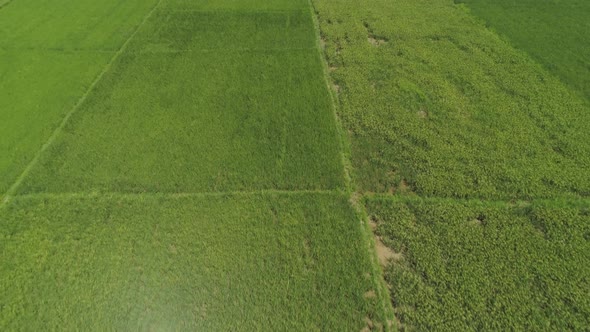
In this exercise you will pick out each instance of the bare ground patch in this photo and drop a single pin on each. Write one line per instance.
(376, 41)
(384, 253)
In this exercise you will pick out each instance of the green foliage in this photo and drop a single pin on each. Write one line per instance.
(200, 112)
(437, 104)
(146, 211)
(225, 262)
(487, 266)
(236, 5)
(226, 31)
(207, 96)
(34, 99)
(50, 54)
(70, 25)
(555, 33)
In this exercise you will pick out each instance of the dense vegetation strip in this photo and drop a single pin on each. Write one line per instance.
(439, 105)
(556, 33)
(449, 122)
(486, 266)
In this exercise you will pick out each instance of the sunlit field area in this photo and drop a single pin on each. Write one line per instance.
(468, 136)
(175, 165)
(294, 165)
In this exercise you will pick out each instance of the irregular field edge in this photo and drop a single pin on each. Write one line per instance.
(345, 153)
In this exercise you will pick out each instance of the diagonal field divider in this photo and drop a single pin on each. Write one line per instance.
(4, 3)
(14, 187)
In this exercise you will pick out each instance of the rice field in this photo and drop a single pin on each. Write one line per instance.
(468, 145)
(472, 265)
(177, 168)
(553, 33)
(294, 165)
(214, 262)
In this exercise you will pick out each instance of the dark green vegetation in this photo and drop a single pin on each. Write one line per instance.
(208, 101)
(556, 33)
(450, 125)
(437, 104)
(181, 171)
(227, 262)
(487, 266)
(214, 124)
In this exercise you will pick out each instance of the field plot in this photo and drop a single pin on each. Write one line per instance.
(487, 266)
(51, 53)
(196, 105)
(554, 32)
(198, 184)
(438, 105)
(37, 88)
(241, 262)
(63, 25)
(452, 126)
(221, 32)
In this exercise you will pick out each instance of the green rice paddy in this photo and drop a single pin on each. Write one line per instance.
(555, 33)
(469, 143)
(177, 168)
(444, 107)
(155, 262)
(248, 164)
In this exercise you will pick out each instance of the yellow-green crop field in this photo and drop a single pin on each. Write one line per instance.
(294, 165)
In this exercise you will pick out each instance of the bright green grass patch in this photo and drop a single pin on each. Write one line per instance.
(556, 33)
(245, 262)
(36, 90)
(70, 24)
(487, 267)
(221, 31)
(193, 122)
(437, 104)
(48, 62)
(236, 5)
